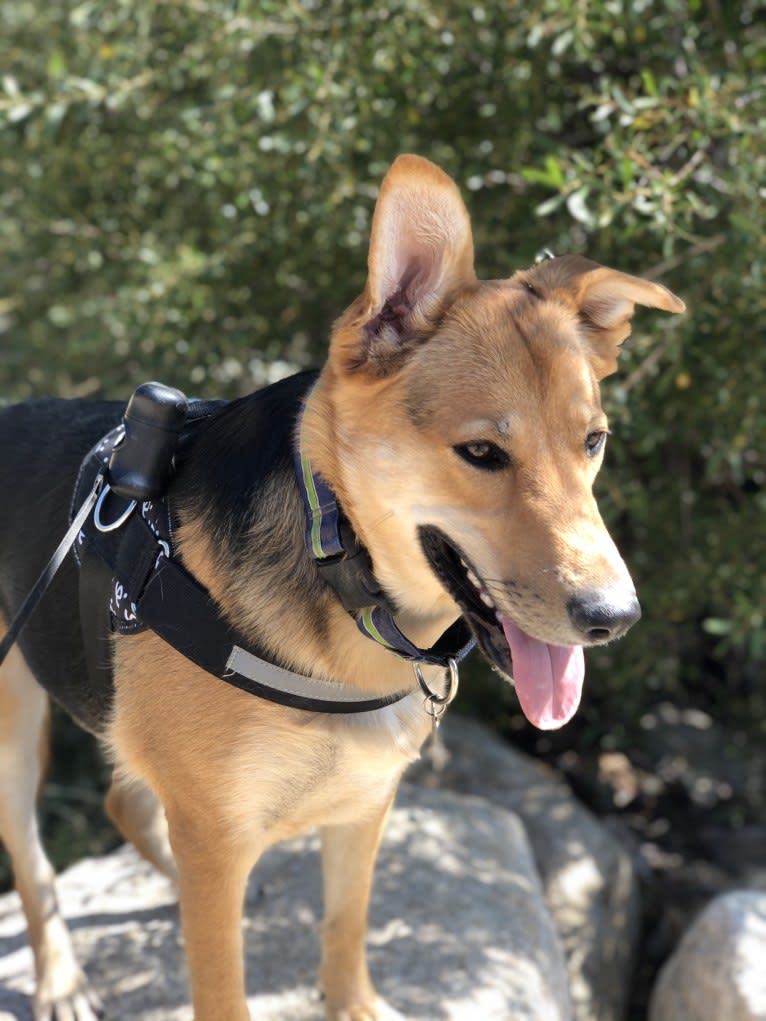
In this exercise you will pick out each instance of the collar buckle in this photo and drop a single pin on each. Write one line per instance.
(350, 574)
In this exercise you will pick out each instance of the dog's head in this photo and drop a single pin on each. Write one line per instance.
(468, 431)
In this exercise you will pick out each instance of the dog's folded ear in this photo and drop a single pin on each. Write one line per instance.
(421, 253)
(604, 299)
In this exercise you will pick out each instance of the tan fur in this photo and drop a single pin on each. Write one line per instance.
(427, 358)
(24, 722)
(140, 818)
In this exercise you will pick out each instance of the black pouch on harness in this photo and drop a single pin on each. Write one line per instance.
(141, 462)
(137, 460)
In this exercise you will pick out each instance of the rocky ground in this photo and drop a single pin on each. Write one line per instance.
(682, 804)
(687, 799)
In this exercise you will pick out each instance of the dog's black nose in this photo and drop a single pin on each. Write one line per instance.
(601, 616)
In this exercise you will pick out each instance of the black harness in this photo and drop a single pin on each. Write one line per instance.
(130, 579)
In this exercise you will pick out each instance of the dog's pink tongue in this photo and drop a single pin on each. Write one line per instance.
(548, 678)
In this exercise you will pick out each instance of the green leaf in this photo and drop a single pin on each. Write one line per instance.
(717, 626)
(56, 64)
(578, 209)
(649, 83)
(550, 205)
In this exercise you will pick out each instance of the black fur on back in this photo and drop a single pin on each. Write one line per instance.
(239, 474)
(42, 443)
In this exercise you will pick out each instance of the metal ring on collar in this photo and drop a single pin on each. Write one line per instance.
(110, 526)
(448, 696)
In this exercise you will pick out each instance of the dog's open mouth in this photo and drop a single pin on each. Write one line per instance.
(548, 678)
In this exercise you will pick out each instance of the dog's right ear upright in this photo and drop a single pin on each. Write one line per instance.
(421, 253)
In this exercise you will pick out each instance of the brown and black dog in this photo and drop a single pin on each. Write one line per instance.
(458, 422)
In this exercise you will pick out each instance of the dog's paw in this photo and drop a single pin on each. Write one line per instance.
(374, 1010)
(77, 1005)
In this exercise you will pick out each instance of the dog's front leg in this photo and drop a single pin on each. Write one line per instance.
(212, 878)
(348, 860)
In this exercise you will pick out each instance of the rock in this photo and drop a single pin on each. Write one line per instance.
(589, 881)
(459, 929)
(740, 851)
(688, 749)
(718, 971)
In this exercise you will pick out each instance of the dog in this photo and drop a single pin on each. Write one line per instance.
(458, 424)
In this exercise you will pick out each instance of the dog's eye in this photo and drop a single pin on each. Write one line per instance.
(594, 443)
(483, 454)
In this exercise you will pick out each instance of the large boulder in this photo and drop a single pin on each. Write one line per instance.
(718, 971)
(459, 927)
(589, 881)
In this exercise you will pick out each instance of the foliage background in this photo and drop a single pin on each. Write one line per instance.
(186, 195)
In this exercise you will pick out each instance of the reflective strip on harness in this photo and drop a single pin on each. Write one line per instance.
(182, 612)
(242, 662)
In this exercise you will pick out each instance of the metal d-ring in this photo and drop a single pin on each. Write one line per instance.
(432, 698)
(111, 525)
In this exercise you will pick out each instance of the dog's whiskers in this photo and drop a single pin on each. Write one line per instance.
(500, 583)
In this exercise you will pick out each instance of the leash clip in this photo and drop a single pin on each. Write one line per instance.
(110, 526)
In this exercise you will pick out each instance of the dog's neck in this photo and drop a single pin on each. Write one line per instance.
(346, 565)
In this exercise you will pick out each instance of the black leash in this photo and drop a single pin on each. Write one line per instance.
(48, 573)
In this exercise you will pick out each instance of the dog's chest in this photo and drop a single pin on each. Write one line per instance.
(338, 776)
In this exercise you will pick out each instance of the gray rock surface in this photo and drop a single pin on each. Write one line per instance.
(459, 928)
(718, 971)
(590, 885)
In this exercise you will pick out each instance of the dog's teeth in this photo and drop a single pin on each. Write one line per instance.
(472, 577)
(486, 599)
(499, 616)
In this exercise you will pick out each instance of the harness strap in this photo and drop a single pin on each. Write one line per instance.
(177, 608)
(95, 617)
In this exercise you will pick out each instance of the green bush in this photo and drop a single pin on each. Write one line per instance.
(188, 190)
